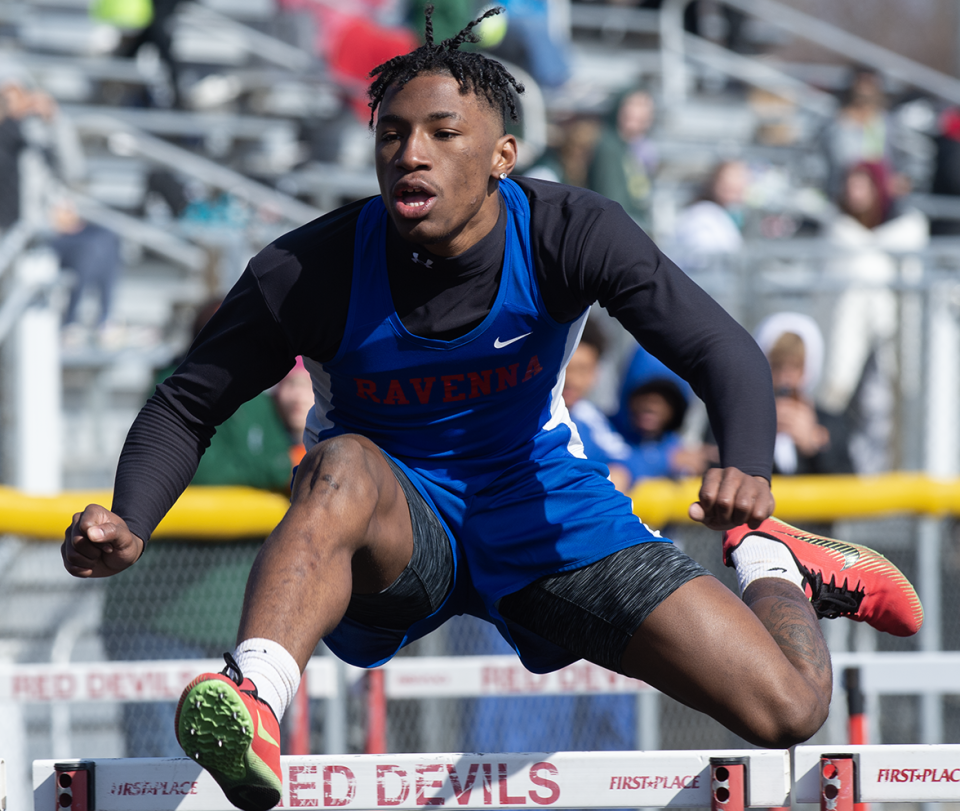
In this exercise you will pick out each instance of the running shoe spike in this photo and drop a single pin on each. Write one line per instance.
(842, 579)
(234, 735)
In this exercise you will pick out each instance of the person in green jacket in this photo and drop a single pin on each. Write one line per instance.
(624, 159)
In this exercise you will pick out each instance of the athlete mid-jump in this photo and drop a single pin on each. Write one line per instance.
(444, 475)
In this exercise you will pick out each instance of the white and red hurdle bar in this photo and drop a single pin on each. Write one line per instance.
(724, 780)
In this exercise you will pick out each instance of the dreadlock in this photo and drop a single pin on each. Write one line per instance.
(473, 71)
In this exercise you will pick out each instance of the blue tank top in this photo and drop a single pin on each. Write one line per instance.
(466, 406)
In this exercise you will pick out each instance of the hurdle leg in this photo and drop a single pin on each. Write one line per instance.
(728, 784)
(836, 783)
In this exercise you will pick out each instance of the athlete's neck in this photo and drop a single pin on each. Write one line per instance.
(480, 256)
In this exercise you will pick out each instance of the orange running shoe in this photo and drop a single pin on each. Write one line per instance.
(224, 726)
(842, 579)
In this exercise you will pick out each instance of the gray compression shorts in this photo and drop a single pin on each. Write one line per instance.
(592, 612)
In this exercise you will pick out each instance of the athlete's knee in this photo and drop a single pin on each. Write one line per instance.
(339, 471)
(785, 719)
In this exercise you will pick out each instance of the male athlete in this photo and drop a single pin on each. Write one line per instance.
(444, 475)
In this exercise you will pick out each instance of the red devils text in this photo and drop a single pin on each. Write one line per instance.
(428, 784)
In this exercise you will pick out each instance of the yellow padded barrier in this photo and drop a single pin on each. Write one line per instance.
(815, 498)
(223, 513)
(215, 513)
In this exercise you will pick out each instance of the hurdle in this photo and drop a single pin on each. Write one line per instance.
(838, 777)
(726, 780)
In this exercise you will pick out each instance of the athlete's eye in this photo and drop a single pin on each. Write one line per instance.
(446, 134)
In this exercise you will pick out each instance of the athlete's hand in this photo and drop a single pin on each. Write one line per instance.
(98, 543)
(729, 497)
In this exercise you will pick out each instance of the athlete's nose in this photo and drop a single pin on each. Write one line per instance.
(414, 152)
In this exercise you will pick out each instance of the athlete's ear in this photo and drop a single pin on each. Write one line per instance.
(504, 156)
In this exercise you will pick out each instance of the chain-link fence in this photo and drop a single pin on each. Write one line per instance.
(183, 600)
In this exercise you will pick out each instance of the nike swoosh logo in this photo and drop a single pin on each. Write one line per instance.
(850, 558)
(498, 344)
(262, 733)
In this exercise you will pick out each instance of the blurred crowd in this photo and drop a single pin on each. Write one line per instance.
(643, 424)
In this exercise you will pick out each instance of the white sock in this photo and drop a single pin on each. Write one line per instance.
(758, 557)
(272, 669)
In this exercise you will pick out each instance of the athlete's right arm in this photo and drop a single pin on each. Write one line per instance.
(98, 543)
(291, 300)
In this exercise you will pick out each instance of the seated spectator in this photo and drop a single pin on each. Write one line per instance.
(624, 159)
(293, 398)
(657, 409)
(92, 253)
(570, 147)
(601, 442)
(712, 225)
(863, 130)
(809, 439)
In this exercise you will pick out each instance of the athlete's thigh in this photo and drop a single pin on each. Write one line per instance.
(704, 647)
(593, 611)
(347, 498)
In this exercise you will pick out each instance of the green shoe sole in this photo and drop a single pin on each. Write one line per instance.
(216, 730)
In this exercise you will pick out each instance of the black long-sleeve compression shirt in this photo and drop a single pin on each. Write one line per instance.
(294, 296)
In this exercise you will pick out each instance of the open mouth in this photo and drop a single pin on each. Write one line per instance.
(413, 201)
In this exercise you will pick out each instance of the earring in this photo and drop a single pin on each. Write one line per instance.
(503, 175)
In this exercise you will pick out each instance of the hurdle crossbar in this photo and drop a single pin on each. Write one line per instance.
(427, 677)
(412, 677)
(885, 773)
(679, 779)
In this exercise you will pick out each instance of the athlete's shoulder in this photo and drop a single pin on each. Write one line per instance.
(328, 238)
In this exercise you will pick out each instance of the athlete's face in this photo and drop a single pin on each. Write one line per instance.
(439, 157)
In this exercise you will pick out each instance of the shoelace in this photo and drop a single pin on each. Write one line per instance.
(232, 665)
(238, 678)
(829, 600)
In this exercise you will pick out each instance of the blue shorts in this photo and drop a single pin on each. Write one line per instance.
(535, 519)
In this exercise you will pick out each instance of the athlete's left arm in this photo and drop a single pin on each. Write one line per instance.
(591, 250)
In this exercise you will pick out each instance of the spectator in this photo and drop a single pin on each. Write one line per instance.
(12, 143)
(92, 253)
(809, 439)
(655, 406)
(352, 39)
(861, 368)
(863, 130)
(570, 147)
(946, 170)
(712, 225)
(656, 409)
(157, 33)
(601, 441)
(185, 602)
(624, 160)
(31, 122)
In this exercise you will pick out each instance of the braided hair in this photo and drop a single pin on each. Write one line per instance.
(473, 71)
